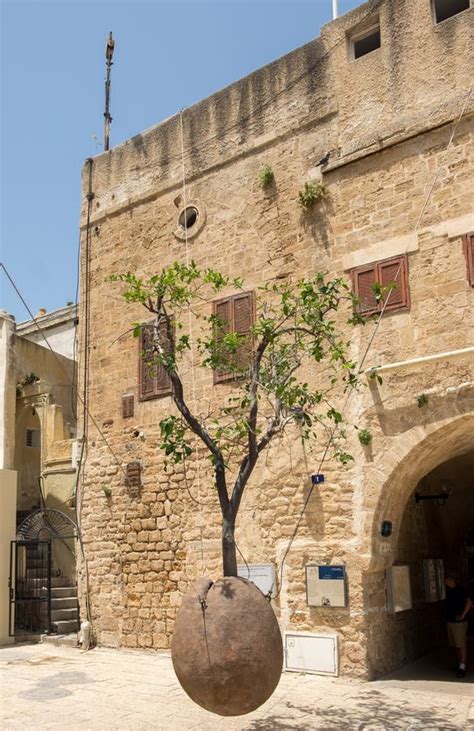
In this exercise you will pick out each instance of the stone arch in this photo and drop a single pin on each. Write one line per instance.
(394, 639)
(414, 456)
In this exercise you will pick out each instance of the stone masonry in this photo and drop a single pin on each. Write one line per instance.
(386, 119)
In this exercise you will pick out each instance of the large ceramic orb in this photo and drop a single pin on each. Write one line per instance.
(226, 648)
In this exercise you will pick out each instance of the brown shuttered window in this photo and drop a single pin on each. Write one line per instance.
(468, 245)
(153, 378)
(384, 273)
(237, 315)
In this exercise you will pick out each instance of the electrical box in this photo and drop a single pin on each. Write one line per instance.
(326, 586)
(307, 652)
(398, 589)
(262, 575)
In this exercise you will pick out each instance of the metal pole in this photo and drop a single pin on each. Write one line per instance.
(335, 12)
(109, 52)
(48, 586)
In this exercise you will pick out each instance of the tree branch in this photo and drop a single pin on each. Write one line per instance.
(191, 420)
(252, 427)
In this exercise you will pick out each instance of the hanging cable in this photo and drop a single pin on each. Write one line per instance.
(67, 375)
(190, 323)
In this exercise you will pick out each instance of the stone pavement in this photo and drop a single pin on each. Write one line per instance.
(47, 687)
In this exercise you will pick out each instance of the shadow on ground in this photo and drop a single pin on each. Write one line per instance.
(435, 671)
(372, 714)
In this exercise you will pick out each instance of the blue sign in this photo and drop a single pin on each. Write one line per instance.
(334, 573)
(317, 479)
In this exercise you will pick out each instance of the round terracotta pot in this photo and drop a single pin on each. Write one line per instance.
(226, 648)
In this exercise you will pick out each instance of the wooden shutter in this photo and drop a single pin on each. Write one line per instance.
(153, 378)
(237, 315)
(468, 245)
(243, 312)
(394, 271)
(223, 310)
(384, 273)
(162, 379)
(146, 355)
(363, 280)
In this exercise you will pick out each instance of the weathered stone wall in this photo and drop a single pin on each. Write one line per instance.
(386, 119)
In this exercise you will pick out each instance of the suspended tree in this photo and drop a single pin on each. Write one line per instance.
(263, 343)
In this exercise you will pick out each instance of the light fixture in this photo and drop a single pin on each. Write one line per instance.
(441, 498)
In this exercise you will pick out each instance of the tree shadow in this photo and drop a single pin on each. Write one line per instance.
(372, 710)
(398, 420)
(225, 587)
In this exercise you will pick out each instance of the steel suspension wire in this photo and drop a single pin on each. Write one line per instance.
(190, 324)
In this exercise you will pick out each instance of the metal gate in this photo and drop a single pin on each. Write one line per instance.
(30, 587)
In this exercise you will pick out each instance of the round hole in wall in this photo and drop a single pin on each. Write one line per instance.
(188, 217)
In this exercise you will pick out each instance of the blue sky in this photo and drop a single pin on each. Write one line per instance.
(169, 54)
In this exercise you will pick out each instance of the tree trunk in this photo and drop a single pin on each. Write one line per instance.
(229, 555)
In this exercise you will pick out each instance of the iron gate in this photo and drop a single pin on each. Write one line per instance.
(30, 587)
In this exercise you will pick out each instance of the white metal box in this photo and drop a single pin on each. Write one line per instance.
(307, 652)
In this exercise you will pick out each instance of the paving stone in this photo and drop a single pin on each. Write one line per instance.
(56, 687)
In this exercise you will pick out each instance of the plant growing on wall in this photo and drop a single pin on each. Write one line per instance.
(294, 325)
(311, 193)
(365, 437)
(28, 380)
(422, 400)
(266, 176)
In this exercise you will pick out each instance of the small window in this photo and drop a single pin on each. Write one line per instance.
(444, 9)
(385, 273)
(33, 438)
(468, 245)
(154, 381)
(188, 217)
(365, 42)
(236, 315)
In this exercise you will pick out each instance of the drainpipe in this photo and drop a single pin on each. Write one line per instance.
(335, 12)
(422, 359)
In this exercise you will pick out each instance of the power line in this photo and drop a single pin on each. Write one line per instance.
(90, 415)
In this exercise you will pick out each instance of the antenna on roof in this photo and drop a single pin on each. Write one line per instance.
(109, 52)
(335, 12)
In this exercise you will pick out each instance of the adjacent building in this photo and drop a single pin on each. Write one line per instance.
(38, 466)
(378, 109)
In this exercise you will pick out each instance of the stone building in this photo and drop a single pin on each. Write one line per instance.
(38, 448)
(378, 109)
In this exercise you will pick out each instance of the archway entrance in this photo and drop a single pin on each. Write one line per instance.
(435, 538)
(429, 501)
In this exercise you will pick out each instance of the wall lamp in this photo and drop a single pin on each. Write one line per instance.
(441, 498)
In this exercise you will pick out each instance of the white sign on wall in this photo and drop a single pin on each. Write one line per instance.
(439, 566)
(261, 574)
(433, 573)
(326, 586)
